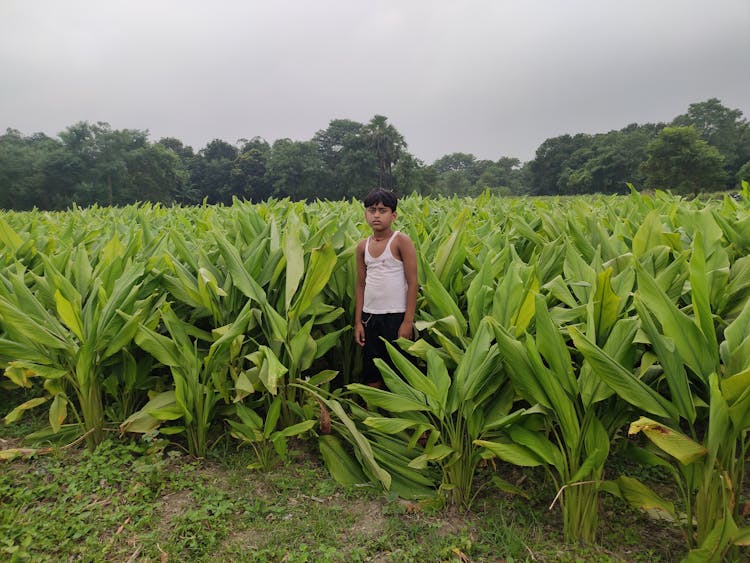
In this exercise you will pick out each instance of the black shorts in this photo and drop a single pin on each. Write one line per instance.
(385, 325)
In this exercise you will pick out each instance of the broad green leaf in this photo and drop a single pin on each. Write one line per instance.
(606, 306)
(478, 363)
(391, 425)
(125, 335)
(330, 339)
(436, 453)
(243, 386)
(415, 377)
(581, 275)
(540, 445)
(179, 330)
(512, 453)
(276, 328)
(272, 416)
(513, 303)
(671, 362)
(240, 276)
(142, 421)
(481, 290)
(396, 385)
(10, 350)
(159, 346)
(451, 252)
(322, 377)
(738, 398)
(563, 407)
(19, 322)
(319, 269)
(526, 308)
(70, 315)
(245, 433)
(209, 290)
(391, 402)
(633, 390)
(394, 456)
(302, 348)
(516, 361)
(715, 545)
(169, 430)
(112, 250)
(438, 300)
(558, 289)
(437, 372)
(642, 497)
(365, 449)
(737, 342)
(503, 420)
(250, 418)
(592, 464)
(700, 292)
(621, 347)
(508, 487)
(647, 457)
(294, 256)
(297, 429)
(690, 341)
(719, 434)
(649, 235)
(82, 270)
(166, 413)
(270, 369)
(10, 238)
(742, 537)
(343, 468)
(552, 347)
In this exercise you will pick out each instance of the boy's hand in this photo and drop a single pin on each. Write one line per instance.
(406, 330)
(359, 334)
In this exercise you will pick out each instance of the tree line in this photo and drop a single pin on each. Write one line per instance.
(705, 149)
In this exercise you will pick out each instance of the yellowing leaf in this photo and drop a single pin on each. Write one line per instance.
(16, 413)
(58, 411)
(676, 444)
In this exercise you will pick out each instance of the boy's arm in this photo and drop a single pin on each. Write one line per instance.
(359, 294)
(409, 259)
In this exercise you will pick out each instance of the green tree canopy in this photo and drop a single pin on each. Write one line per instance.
(679, 161)
(721, 127)
(387, 145)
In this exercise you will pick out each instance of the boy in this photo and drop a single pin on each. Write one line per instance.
(386, 291)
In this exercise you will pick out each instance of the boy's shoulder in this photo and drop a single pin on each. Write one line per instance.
(401, 236)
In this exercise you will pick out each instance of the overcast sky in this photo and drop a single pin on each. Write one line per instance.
(489, 77)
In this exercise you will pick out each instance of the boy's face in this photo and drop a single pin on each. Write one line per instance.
(379, 217)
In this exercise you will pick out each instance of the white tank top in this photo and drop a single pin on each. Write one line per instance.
(385, 283)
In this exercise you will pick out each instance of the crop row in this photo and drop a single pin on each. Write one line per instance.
(548, 328)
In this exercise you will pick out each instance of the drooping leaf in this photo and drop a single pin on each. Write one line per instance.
(342, 466)
(16, 413)
(675, 443)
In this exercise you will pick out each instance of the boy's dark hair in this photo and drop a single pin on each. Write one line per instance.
(380, 195)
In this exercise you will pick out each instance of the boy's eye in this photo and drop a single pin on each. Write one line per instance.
(378, 209)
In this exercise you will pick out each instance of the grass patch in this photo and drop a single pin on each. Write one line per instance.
(141, 501)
